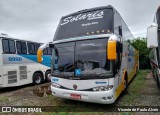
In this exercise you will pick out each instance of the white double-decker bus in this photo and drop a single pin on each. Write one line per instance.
(91, 61)
(18, 62)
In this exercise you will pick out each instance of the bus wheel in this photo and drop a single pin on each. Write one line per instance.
(158, 81)
(125, 85)
(48, 76)
(37, 78)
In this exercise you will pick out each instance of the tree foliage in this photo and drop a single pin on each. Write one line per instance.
(141, 45)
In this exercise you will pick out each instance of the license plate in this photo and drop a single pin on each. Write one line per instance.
(75, 96)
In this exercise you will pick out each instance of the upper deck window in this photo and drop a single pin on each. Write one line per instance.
(87, 23)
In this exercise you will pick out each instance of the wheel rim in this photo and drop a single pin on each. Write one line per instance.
(38, 79)
(49, 76)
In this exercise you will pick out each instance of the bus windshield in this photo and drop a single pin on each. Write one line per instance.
(85, 23)
(81, 58)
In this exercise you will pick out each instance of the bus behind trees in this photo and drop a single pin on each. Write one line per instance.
(18, 62)
(153, 42)
(91, 60)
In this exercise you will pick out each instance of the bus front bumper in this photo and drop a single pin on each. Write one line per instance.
(103, 97)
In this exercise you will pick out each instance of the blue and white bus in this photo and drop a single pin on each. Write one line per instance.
(18, 62)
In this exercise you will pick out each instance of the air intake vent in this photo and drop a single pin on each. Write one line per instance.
(12, 77)
(23, 72)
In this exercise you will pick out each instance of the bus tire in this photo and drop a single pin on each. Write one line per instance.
(37, 78)
(125, 83)
(158, 81)
(47, 75)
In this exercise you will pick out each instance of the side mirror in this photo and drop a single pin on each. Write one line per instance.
(111, 50)
(152, 36)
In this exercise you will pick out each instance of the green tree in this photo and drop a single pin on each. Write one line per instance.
(141, 45)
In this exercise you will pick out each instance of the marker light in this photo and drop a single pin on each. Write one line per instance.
(102, 30)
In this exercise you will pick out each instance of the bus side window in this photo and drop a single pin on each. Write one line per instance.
(49, 51)
(12, 46)
(24, 47)
(119, 57)
(5, 46)
(117, 24)
(31, 49)
(45, 51)
(36, 47)
(19, 47)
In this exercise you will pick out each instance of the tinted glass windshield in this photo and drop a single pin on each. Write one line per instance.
(83, 24)
(86, 58)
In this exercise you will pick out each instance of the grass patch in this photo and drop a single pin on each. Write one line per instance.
(134, 88)
(4, 99)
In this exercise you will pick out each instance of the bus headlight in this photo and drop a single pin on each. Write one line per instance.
(103, 88)
(56, 85)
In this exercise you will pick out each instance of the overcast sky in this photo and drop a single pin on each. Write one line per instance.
(37, 20)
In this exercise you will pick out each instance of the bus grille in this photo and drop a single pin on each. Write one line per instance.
(23, 72)
(12, 77)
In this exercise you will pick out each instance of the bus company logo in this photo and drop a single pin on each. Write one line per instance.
(89, 16)
(14, 59)
(75, 86)
(101, 82)
(55, 80)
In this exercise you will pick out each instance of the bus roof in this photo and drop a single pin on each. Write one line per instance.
(10, 37)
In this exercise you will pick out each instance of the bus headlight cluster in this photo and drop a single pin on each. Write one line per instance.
(103, 88)
(56, 85)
